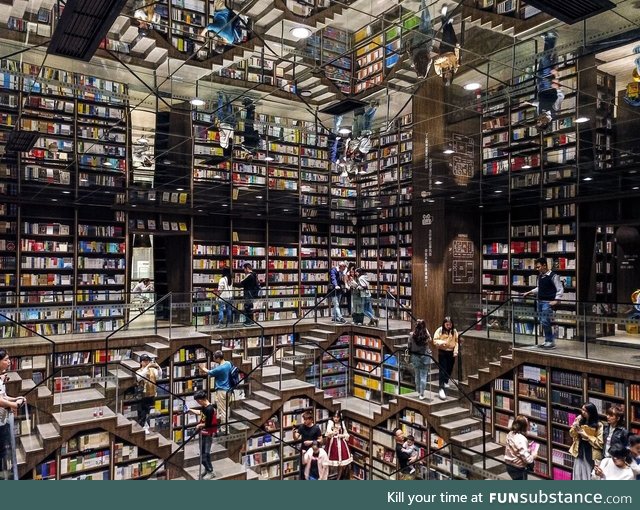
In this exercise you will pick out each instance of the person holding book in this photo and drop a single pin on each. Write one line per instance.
(519, 453)
(226, 123)
(225, 29)
(549, 292)
(616, 466)
(222, 386)
(337, 445)
(316, 463)
(251, 290)
(8, 405)
(420, 356)
(225, 293)
(586, 448)
(614, 433)
(445, 341)
(147, 376)
(208, 428)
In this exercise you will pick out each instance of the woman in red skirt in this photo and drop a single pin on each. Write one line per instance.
(337, 445)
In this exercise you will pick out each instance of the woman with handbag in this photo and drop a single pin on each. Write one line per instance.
(519, 453)
(587, 434)
(446, 340)
(420, 356)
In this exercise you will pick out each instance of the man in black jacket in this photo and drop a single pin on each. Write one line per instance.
(251, 289)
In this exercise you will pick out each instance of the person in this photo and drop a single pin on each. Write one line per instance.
(420, 45)
(614, 433)
(316, 462)
(208, 428)
(251, 136)
(337, 142)
(337, 445)
(346, 287)
(351, 286)
(616, 466)
(586, 448)
(226, 123)
(225, 293)
(336, 284)
(549, 291)
(251, 290)
(225, 29)
(8, 405)
(519, 453)
(362, 286)
(548, 91)
(420, 356)
(447, 62)
(446, 341)
(634, 451)
(359, 145)
(307, 432)
(402, 455)
(142, 291)
(147, 376)
(222, 386)
(409, 446)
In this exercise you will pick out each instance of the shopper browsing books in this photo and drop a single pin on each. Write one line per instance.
(420, 356)
(222, 386)
(420, 43)
(225, 294)
(548, 89)
(519, 453)
(586, 448)
(337, 445)
(208, 428)
(8, 405)
(307, 433)
(336, 285)
(147, 377)
(445, 341)
(251, 290)
(617, 465)
(614, 433)
(403, 455)
(634, 451)
(447, 62)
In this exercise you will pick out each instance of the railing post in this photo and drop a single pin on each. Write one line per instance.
(535, 320)
(484, 439)
(170, 314)
(315, 305)
(386, 309)
(584, 331)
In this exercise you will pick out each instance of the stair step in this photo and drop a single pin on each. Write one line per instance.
(238, 428)
(27, 385)
(255, 405)
(135, 355)
(31, 444)
(82, 416)
(310, 341)
(469, 439)
(274, 371)
(192, 453)
(484, 370)
(288, 385)
(451, 412)
(460, 424)
(495, 364)
(491, 465)
(121, 374)
(48, 431)
(359, 406)
(226, 469)
(43, 392)
(252, 475)
(323, 331)
(245, 415)
(265, 396)
(87, 395)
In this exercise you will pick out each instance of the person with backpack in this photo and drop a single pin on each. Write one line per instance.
(208, 428)
(222, 385)
(549, 292)
(147, 377)
(420, 356)
(251, 289)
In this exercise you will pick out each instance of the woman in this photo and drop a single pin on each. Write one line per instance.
(586, 432)
(316, 463)
(225, 294)
(616, 466)
(445, 340)
(614, 434)
(357, 304)
(519, 453)
(337, 445)
(365, 295)
(420, 356)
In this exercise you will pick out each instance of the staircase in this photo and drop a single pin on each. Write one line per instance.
(487, 374)
(506, 25)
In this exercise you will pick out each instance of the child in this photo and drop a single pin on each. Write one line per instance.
(634, 450)
(208, 428)
(410, 448)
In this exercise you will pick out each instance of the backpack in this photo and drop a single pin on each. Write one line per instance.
(234, 377)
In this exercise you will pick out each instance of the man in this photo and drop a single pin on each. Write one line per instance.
(307, 433)
(222, 386)
(226, 29)
(421, 43)
(251, 136)
(549, 291)
(8, 405)
(251, 289)
(548, 90)
(143, 291)
(448, 60)
(226, 122)
(147, 377)
(336, 284)
(403, 455)
(208, 428)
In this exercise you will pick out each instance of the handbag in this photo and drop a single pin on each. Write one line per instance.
(406, 356)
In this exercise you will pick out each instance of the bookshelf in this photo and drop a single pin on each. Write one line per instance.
(331, 373)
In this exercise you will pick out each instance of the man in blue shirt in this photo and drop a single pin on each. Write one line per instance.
(549, 291)
(226, 27)
(222, 386)
(336, 284)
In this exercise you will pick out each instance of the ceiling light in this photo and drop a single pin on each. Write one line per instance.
(134, 205)
(379, 208)
(430, 200)
(143, 141)
(225, 205)
(152, 198)
(258, 196)
(258, 214)
(66, 192)
(300, 32)
(197, 102)
(200, 210)
(344, 131)
(54, 199)
(498, 191)
(474, 85)
(588, 179)
(480, 206)
(526, 167)
(269, 158)
(448, 151)
(285, 210)
(438, 182)
(580, 120)
(635, 187)
(179, 189)
(107, 163)
(305, 93)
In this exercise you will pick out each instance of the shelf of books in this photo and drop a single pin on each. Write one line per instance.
(503, 391)
(283, 266)
(343, 244)
(314, 266)
(249, 245)
(605, 271)
(331, 372)
(604, 118)
(383, 451)
(211, 163)
(634, 408)
(8, 251)
(101, 273)
(405, 198)
(336, 58)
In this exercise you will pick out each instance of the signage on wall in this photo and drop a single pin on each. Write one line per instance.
(462, 260)
(462, 162)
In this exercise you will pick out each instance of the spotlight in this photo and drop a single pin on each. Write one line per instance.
(300, 32)
(197, 102)
(472, 86)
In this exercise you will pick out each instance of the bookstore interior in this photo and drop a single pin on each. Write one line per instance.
(223, 221)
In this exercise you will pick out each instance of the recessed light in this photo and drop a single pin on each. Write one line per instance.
(430, 200)
(305, 93)
(142, 141)
(197, 102)
(448, 151)
(269, 158)
(258, 214)
(438, 182)
(225, 205)
(344, 131)
(635, 187)
(300, 32)
(54, 199)
(66, 192)
(498, 191)
(107, 163)
(258, 196)
(379, 208)
(200, 210)
(588, 179)
(152, 199)
(526, 167)
(179, 189)
(285, 210)
(581, 120)
(134, 205)
(474, 85)
(452, 196)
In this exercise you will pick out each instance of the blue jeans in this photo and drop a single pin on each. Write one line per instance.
(225, 110)
(368, 308)
(222, 308)
(545, 67)
(545, 313)
(421, 366)
(205, 452)
(336, 314)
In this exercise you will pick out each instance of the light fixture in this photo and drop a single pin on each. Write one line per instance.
(285, 210)
(498, 191)
(134, 205)
(305, 93)
(269, 158)
(526, 167)
(107, 163)
(635, 187)
(474, 85)
(344, 131)
(225, 205)
(300, 32)
(66, 192)
(54, 199)
(587, 179)
(179, 189)
(258, 197)
(581, 120)
(142, 141)
(480, 206)
(379, 208)
(448, 151)
(197, 102)
(437, 182)
(430, 200)
(152, 199)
